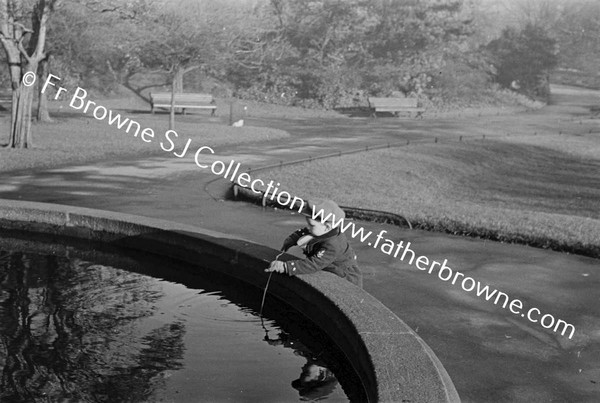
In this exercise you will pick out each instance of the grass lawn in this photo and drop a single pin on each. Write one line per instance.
(75, 137)
(539, 190)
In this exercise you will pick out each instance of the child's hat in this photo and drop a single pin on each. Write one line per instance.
(329, 207)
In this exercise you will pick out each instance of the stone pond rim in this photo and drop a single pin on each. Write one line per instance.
(392, 361)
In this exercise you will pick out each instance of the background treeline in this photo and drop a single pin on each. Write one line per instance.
(327, 53)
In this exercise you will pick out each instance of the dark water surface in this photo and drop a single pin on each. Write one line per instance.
(82, 328)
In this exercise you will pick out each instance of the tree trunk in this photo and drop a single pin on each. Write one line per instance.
(21, 123)
(177, 87)
(14, 63)
(42, 110)
(177, 79)
(172, 111)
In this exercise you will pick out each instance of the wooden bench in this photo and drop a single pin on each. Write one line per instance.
(183, 101)
(396, 105)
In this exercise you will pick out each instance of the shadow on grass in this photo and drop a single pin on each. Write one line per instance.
(365, 112)
(355, 111)
(74, 187)
(165, 112)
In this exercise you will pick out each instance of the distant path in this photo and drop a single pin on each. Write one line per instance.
(490, 354)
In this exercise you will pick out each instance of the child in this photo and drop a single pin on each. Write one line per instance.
(325, 247)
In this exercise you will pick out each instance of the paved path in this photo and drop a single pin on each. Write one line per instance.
(490, 354)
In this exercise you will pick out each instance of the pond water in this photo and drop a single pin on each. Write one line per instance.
(109, 327)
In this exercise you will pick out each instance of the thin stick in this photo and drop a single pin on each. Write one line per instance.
(262, 304)
(264, 295)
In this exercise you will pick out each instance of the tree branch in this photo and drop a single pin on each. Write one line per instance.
(22, 50)
(188, 69)
(24, 29)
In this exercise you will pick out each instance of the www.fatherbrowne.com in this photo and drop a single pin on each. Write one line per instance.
(444, 272)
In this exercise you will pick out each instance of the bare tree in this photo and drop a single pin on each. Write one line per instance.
(25, 48)
(178, 43)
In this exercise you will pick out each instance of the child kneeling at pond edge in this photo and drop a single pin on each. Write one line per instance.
(326, 248)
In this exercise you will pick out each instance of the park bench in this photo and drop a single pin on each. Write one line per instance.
(183, 101)
(395, 105)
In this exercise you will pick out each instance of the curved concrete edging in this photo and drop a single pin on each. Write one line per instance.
(392, 361)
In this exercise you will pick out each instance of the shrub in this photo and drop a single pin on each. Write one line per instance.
(459, 82)
(524, 59)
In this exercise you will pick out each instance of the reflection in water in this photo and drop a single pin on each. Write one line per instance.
(316, 381)
(72, 330)
(64, 320)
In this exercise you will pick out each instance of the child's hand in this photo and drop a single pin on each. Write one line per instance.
(276, 265)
